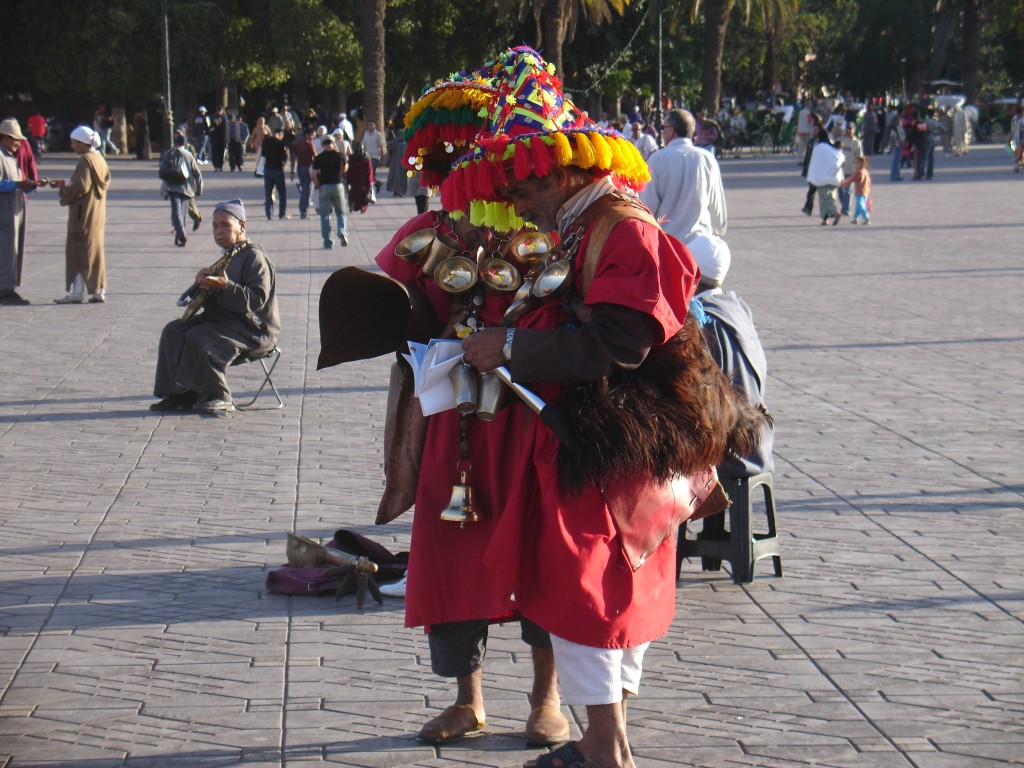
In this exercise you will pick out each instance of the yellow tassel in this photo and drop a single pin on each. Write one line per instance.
(627, 163)
(585, 155)
(563, 150)
(638, 166)
(617, 162)
(602, 151)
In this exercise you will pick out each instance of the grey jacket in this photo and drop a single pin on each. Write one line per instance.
(193, 186)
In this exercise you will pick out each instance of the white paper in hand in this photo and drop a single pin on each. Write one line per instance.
(431, 364)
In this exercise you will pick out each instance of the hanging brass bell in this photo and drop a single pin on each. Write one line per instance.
(460, 507)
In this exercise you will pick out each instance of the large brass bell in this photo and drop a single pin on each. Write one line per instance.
(460, 507)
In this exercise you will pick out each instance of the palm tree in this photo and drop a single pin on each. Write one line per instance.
(716, 24)
(556, 20)
(371, 30)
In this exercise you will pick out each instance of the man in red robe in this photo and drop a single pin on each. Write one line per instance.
(559, 555)
(448, 592)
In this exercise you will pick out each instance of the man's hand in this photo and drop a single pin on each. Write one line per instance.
(482, 349)
(206, 280)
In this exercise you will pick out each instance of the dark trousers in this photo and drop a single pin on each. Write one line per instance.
(235, 155)
(458, 648)
(272, 180)
(179, 209)
(194, 356)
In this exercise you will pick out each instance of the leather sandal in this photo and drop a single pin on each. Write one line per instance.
(566, 756)
(546, 727)
(456, 722)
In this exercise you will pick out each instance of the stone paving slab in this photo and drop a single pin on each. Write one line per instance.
(135, 629)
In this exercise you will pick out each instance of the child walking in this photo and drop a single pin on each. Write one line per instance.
(861, 181)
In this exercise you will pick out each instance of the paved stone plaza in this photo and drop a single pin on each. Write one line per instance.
(135, 629)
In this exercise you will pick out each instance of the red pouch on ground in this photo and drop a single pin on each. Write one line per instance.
(301, 581)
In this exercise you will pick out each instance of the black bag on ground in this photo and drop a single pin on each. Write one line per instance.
(391, 566)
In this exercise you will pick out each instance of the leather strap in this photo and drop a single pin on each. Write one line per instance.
(606, 213)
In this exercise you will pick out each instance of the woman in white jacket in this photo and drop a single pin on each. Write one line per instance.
(825, 172)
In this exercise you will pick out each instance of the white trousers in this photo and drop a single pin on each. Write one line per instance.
(588, 675)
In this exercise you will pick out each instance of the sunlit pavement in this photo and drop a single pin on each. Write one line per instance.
(135, 629)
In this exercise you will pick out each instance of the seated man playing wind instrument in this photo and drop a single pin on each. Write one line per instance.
(231, 310)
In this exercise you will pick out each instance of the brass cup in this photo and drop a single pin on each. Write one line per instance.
(522, 303)
(491, 396)
(530, 247)
(455, 275)
(466, 382)
(440, 249)
(415, 248)
(553, 280)
(499, 275)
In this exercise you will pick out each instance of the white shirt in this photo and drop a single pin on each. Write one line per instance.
(373, 144)
(645, 144)
(685, 191)
(346, 128)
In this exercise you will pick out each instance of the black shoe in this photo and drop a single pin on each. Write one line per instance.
(180, 241)
(196, 222)
(12, 299)
(181, 401)
(807, 210)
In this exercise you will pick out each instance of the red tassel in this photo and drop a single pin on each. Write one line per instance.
(540, 154)
(521, 162)
(479, 181)
(457, 191)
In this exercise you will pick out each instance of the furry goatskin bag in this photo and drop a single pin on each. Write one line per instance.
(674, 415)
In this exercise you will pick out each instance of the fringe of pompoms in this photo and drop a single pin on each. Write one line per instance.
(451, 96)
(479, 176)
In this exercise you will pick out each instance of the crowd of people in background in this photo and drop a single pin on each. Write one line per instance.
(834, 140)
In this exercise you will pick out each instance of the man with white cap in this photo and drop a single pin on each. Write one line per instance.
(735, 346)
(237, 314)
(345, 126)
(201, 135)
(86, 199)
(12, 213)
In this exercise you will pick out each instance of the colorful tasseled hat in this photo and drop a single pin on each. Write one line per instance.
(444, 122)
(531, 127)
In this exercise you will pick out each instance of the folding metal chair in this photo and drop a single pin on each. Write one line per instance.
(261, 356)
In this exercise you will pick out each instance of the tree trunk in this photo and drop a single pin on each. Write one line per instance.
(945, 29)
(768, 73)
(372, 34)
(119, 135)
(972, 49)
(553, 26)
(716, 23)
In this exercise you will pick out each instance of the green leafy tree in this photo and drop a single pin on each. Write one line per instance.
(556, 20)
(716, 15)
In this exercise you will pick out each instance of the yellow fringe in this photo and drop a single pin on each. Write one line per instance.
(585, 155)
(450, 98)
(563, 150)
(601, 150)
